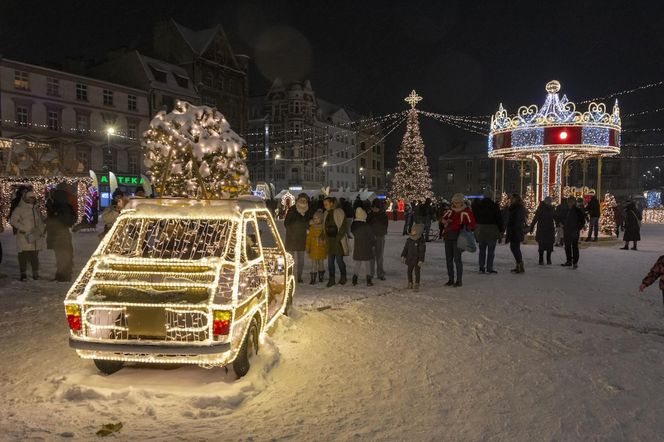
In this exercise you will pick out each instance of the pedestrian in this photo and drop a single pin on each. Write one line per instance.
(488, 230)
(413, 255)
(559, 216)
(454, 219)
(60, 217)
(30, 231)
(516, 228)
(349, 212)
(407, 218)
(315, 247)
(425, 215)
(363, 246)
(112, 212)
(593, 211)
(336, 240)
(573, 223)
(631, 226)
(297, 223)
(618, 218)
(378, 221)
(546, 229)
(657, 271)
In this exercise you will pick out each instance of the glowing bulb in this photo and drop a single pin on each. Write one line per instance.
(563, 135)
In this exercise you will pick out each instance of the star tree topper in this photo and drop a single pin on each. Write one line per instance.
(413, 99)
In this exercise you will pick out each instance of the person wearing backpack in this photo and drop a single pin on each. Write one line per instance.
(60, 217)
(574, 222)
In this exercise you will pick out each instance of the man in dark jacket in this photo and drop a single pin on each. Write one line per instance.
(573, 223)
(363, 245)
(488, 231)
(377, 220)
(424, 216)
(60, 217)
(297, 223)
(593, 211)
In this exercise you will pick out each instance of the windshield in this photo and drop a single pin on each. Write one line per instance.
(186, 239)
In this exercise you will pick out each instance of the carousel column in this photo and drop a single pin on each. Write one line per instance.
(599, 177)
(495, 177)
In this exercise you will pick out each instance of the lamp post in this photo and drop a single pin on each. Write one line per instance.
(659, 176)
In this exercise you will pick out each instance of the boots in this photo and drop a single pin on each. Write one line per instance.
(450, 283)
(330, 282)
(321, 275)
(548, 257)
(369, 283)
(519, 268)
(24, 276)
(313, 278)
(343, 279)
(410, 285)
(458, 283)
(541, 258)
(354, 280)
(416, 287)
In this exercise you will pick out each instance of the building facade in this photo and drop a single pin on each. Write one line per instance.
(68, 124)
(371, 160)
(218, 74)
(297, 140)
(465, 169)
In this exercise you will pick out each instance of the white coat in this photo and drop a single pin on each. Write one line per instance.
(29, 223)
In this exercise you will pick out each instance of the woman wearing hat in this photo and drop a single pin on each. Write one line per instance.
(457, 217)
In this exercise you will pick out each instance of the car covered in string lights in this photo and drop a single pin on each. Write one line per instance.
(181, 281)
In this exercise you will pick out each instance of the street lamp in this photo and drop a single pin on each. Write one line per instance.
(659, 175)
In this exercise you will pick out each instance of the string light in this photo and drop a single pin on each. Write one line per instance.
(653, 216)
(607, 220)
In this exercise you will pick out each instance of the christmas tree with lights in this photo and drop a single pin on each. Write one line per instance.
(530, 203)
(504, 201)
(607, 221)
(412, 181)
(193, 152)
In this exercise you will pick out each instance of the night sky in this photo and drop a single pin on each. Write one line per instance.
(462, 57)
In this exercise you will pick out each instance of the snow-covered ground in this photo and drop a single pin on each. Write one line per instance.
(554, 354)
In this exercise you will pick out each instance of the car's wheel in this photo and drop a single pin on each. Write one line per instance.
(108, 367)
(249, 349)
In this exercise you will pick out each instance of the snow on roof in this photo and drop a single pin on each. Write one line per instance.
(197, 40)
(192, 208)
(170, 70)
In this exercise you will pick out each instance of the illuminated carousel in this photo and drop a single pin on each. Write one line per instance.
(554, 135)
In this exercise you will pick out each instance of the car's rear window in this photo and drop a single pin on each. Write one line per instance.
(184, 239)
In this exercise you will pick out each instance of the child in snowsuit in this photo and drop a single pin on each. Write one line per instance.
(315, 247)
(413, 254)
(657, 271)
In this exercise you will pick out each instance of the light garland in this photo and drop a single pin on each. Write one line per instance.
(159, 256)
(653, 216)
(529, 201)
(607, 222)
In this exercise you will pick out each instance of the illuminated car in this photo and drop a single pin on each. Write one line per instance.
(181, 281)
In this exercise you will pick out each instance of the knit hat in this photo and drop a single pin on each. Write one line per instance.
(360, 214)
(458, 198)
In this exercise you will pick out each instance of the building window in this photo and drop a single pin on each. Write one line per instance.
(132, 130)
(21, 80)
(82, 159)
(209, 79)
(53, 120)
(82, 123)
(209, 101)
(483, 164)
(378, 149)
(53, 87)
(132, 164)
(167, 102)
(22, 116)
(469, 175)
(132, 102)
(450, 178)
(183, 82)
(469, 164)
(108, 97)
(81, 92)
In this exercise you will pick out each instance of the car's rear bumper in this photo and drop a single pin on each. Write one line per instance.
(150, 349)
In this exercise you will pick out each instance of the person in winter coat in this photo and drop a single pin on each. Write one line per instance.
(60, 217)
(315, 247)
(546, 229)
(407, 218)
(631, 226)
(112, 212)
(516, 228)
(559, 216)
(488, 231)
(378, 221)
(454, 219)
(424, 215)
(413, 255)
(593, 211)
(29, 224)
(336, 239)
(363, 246)
(296, 223)
(573, 223)
(618, 218)
(657, 271)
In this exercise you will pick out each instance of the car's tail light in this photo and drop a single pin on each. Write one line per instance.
(73, 312)
(221, 323)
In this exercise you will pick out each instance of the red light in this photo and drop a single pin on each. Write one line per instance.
(221, 327)
(74, 322)
(562, 135)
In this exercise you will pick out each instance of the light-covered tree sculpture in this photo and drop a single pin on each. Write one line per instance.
(607, 221)
(504, 201)
(193, 152)
(412, 180)
(530, 204)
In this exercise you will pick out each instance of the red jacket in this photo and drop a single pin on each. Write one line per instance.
(657, 271)
(464, 217)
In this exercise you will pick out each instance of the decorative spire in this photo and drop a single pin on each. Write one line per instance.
(413, 99)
